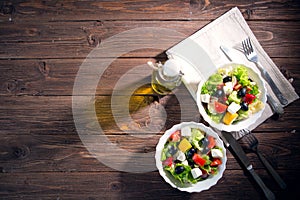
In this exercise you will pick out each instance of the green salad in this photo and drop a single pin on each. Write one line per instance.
(230, 95)
(190, 155)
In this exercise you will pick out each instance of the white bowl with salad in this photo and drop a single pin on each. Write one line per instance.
(232, 98)
(191, 157)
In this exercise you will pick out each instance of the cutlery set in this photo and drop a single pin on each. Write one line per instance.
(248, 138)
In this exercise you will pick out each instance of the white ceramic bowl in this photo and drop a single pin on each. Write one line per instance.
(201, 185)
(255, 75)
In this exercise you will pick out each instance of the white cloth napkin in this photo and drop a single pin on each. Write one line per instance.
(200, 55)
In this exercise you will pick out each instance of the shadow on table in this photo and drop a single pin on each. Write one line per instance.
(146, 186)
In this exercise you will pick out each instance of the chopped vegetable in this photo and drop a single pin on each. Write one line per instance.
(229, 118)
(211, 142)
(184, 145)
(249, 98)
(216, 162)
(219, 107)
(175, 137)
(233, 97)
(168, 162)
(197, 135)
(199, 160)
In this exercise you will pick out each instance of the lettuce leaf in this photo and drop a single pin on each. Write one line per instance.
(242, 76)
(211, 84)
(184, 177)
(196, 136)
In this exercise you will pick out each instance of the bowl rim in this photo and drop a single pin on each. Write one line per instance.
(244, 124)
(201, 185)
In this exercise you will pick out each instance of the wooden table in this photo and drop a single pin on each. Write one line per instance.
(43, 44)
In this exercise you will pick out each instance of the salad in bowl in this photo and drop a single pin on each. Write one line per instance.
(191, 157)
(232, 98)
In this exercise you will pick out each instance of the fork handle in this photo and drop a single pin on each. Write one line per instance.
(268, 193)
(276, 107)
(273, 86)
(272, 171)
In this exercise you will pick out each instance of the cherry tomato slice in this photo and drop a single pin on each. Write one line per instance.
(211, 142)
(175, 137)
(199, 160)
(168, 162)
(216, 162)
(220, 108)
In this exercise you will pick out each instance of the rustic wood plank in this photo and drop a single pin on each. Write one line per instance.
(116, 185)
(53, 115)
(66, 153)
(113, 186)
(279, 39)
(57, 76)
(145, 10)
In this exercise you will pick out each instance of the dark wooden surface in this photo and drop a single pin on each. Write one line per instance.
(43, 44)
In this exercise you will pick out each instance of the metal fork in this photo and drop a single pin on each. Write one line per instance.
(252, 144)
(252, 56)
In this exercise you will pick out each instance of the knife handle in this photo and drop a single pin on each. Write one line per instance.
(268, 193)
(273, 85)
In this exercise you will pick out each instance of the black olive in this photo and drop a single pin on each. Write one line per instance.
(244, 106)
(191, 152)
(227, 79)
(179, 169)
(205, 142)
(219, 93)
(204, 176)
(191, 162)
(177, 161)
(172, 150)
(242, 92)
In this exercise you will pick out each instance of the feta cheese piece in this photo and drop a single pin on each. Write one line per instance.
(233, 107)
(216, 153)
(185, 162)
(228, 88)
(196, 172)
(180, 156)
(186, 131)
(205, 98)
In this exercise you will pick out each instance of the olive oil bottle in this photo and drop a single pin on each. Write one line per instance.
(166, 77)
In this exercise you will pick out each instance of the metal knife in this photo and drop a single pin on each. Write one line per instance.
(237, 150)
(276, 107)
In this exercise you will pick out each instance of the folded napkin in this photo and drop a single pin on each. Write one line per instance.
(200, 55)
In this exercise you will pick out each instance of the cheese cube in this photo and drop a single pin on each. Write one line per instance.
(186, 131)
(233, 107)
(196, 172)
(205, 98)
(228, 88)
(185, 162)
(216, 153)
(180, 156)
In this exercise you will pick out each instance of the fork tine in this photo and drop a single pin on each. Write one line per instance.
(250, 44)
(244, 47)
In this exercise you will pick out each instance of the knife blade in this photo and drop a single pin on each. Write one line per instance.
(237, 150)
(225, 50)
(276, 107)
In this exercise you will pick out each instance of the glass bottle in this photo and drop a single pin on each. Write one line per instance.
(166, 77)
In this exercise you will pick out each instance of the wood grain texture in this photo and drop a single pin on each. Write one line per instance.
(80, 38)
(146, 10)
(57, 76)
(65, 153)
